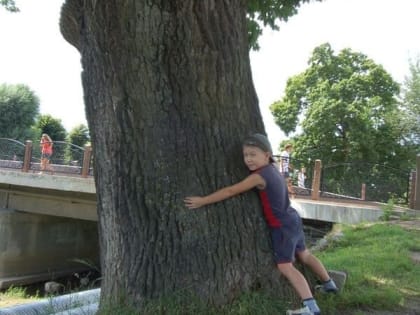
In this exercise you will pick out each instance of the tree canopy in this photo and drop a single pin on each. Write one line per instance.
(19, 107)
(263, 13)
(346, 108)
(79, 135)
(411, 103)
(343, 104)
(9, 5)
(51, 126)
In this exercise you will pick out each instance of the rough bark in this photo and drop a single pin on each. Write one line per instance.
(169, 96)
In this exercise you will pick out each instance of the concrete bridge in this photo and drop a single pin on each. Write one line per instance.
(47, 227)
(48, 224)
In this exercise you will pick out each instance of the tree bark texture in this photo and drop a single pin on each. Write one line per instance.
(169, 97)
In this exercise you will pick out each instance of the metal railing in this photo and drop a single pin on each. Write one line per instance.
(357, 180)
(67, 158)
(366, 181)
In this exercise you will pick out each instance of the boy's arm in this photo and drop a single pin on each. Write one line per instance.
(248, 183)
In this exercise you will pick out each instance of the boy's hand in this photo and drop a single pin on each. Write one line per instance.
(194, 202)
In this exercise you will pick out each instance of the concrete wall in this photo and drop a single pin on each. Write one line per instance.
(71, 197)
(37, 247)
(336, 212)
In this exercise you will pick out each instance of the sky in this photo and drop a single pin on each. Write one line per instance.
(34, 53)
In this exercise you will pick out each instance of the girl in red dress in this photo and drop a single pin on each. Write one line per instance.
(46, 145)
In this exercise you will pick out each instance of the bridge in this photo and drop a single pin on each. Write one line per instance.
(48, 224)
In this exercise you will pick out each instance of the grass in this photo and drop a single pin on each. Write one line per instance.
(248, 304)
(376, 256)
(16, 295)
(381, 272)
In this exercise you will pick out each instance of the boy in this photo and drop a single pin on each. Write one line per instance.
(283, 220)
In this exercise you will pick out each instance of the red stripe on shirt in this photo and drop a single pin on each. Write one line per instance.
(271, 219)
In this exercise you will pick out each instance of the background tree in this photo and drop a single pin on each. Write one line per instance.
(19, 107)
(52, 126)
(169, 96)
(9, 5)
(77, 137)
(346, 107)
(263, 13)
(411, 104)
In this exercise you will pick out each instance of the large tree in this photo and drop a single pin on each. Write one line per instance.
(347, 111)
(169, 96)
(19, 107)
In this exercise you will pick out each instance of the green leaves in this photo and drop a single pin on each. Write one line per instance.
(346, 109)
(345, 99)
(9, 5)
(411, 104)
(52, 126)
(19, 107)
(263, 13)
(79, 135)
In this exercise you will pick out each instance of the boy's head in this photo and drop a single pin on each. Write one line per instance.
(260, 141)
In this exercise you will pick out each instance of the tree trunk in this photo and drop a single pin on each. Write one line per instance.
(169, 97)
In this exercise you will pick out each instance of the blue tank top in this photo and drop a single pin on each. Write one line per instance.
(275, 199)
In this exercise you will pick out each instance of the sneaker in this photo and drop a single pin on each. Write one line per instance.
(320, 288)
(335, 284)
(302, 311)
(328, 287)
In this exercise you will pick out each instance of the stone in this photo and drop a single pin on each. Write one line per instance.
(339, 278)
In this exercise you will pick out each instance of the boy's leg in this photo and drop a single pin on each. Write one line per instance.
(314, 263)
(318, 268)
(299, 283)
(296, 279)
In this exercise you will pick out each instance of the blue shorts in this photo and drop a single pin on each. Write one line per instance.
(45, 156)
(286, 243)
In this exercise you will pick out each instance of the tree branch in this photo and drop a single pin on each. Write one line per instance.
(71, 21)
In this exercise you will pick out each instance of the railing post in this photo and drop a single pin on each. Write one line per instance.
(86, 160)
(28, 156)
(417, 195)
(316, 181)
(412, 190)
(363, 192)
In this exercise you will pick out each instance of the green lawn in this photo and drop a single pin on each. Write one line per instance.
(382, 276)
